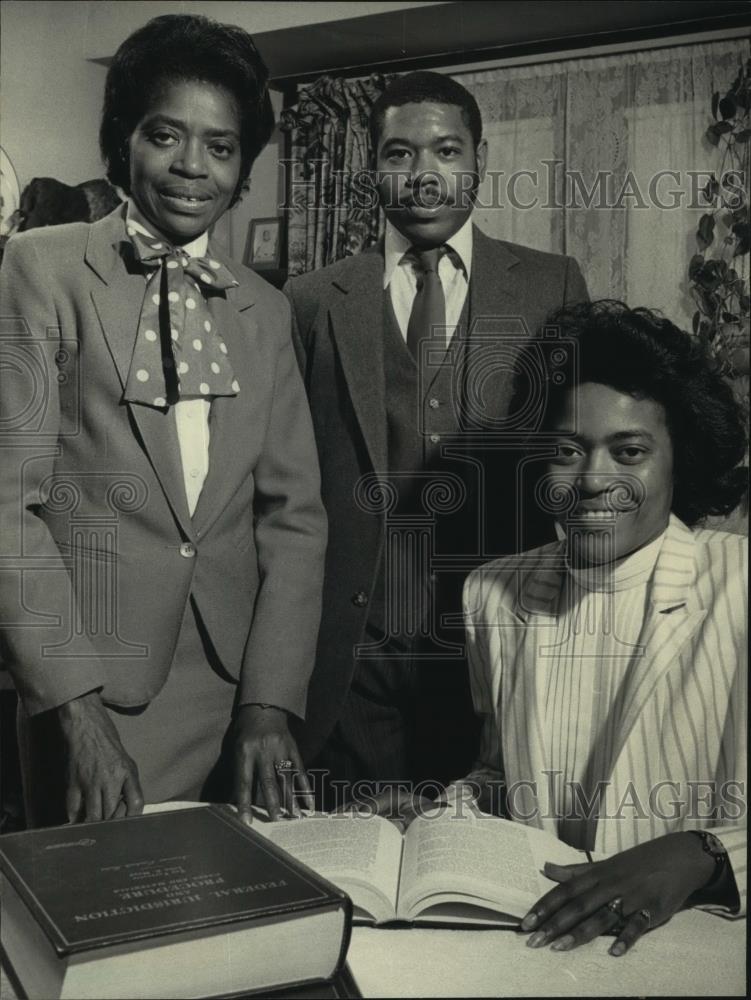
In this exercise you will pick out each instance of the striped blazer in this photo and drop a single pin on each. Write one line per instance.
(678, 722)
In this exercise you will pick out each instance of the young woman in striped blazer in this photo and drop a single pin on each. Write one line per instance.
(609, 668)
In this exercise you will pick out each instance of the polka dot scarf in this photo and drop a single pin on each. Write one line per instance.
(178, 351)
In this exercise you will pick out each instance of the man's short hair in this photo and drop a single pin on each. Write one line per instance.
(422, 87)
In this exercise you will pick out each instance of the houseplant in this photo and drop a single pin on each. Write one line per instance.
(718, 271)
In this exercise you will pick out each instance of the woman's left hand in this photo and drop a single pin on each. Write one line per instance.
(635, 890)
(266, 755)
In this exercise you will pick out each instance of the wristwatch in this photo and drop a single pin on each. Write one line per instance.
(713, 847)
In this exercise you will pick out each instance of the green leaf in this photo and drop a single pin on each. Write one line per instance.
(705, 232)
(722, 128)
(711, 188)
(712, 136)
(744, 135)
(728, 106)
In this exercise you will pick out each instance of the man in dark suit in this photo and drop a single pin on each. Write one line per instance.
(399, 351)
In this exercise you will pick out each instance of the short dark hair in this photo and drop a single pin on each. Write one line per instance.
(177, 47)
(640, 352)
(421, 87)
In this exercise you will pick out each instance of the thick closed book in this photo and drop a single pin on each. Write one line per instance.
(188, 903)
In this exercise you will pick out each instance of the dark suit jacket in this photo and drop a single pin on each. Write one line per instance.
(92, 488)
(337, 326)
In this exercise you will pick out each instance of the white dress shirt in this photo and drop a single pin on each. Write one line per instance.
(400, 275)
(192, 413)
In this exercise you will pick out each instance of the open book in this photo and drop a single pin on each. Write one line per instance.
(470, 869)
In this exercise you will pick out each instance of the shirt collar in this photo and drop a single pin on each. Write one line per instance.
(133, 218)
(395, 246)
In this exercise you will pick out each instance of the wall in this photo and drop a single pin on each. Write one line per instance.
(111, 20)
(51, 95)
(52, 91)
(265, 196)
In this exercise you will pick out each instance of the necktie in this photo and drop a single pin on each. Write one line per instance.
(429, 307)
(178, 352)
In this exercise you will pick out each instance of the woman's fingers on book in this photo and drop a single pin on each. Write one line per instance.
(304, 794)
(132, 795)
(563, 907)
(243, 789)
(562, 873)
(111, 796)
(270, 788)
(73, 802)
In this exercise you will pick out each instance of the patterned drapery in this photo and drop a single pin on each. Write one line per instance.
(332, 210)
(603, 158)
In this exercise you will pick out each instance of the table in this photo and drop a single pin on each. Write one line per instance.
(696, 954)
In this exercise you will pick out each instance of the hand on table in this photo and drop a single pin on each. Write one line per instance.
(263, 741)
(652, 882)
(101, 779)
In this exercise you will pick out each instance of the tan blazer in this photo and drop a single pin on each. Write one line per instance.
(680, 719)
(99, 552)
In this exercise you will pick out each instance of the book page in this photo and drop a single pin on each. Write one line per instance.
(353, 852)
(492, 862)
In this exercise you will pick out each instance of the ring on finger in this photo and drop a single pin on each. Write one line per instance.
(616, 907)
(616, 921)
(283, 765)
(637, 924)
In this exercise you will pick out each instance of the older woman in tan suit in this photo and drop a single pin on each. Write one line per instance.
(160, 500)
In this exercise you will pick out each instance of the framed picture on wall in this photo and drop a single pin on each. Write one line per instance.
(263, 250)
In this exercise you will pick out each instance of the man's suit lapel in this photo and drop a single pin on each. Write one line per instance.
(357, 327)
(118, 300)
(497, 306)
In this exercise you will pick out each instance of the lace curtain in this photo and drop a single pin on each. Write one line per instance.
(332, 211)
(603, 159)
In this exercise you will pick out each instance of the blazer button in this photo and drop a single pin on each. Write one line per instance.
(360, 599)
(434, 403)
(188, 550)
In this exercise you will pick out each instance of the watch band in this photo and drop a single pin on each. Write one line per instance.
(714, 848)
(711, 845)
